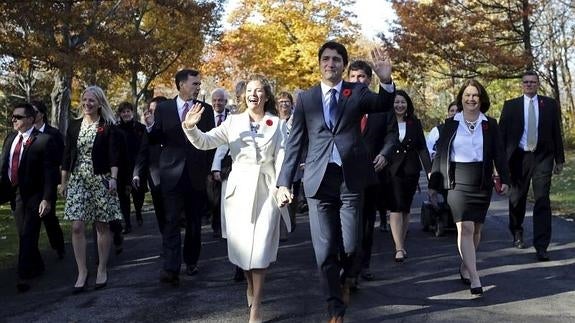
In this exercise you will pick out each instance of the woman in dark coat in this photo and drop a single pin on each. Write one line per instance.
(467, 149)
(406, 152)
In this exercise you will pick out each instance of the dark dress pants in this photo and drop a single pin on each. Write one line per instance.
(124, 198)
(370, 206)
(214, 195)
(182, 199)
(334, 215)
(533, 168)
(53, 229)
(28, 223)
(156, 192)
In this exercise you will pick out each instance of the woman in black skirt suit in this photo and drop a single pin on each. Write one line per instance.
(467, 149)
(406, 152)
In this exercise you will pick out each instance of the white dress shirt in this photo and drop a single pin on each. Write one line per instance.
(431, 139)
(180, 103)
(401, 128)
(467, 147)
(326, 98)
(526, 99)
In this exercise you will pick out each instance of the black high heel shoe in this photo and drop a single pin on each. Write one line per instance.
(82, 288)
(102, 285)
(465, 281)
(476, 291)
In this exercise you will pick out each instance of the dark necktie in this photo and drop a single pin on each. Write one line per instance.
(220, 119)
(185, 112)
(531, 127)
(16, 161)
(333, 109)
(363, 123)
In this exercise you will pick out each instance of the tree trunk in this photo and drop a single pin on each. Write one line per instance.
(61, 100)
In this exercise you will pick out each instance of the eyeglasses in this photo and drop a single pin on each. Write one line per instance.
(18, 117)
(284, 103)
(529, 82)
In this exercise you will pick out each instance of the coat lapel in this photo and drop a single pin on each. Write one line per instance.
(26, 147)
(344, 95)
(486, 139)
(317, 104)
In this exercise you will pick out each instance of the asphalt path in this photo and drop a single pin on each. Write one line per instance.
(426, 288)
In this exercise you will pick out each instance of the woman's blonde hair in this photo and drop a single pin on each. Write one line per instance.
(104, 109)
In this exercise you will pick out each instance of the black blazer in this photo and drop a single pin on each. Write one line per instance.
(37, 171)
(106, 152)
(411, 153)
(549, 139)
(375, 132)
(493, 153)
(178, 155)
(58, 141)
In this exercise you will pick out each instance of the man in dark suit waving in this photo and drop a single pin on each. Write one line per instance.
(183, 172)
(337, 166)
(28, 179)
(531, 132)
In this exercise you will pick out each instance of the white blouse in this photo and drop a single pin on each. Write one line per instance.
(401, 127)
(467, 146)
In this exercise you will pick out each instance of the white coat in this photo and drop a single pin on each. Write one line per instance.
(251, 211)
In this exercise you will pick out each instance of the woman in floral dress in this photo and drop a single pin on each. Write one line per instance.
(89, 180)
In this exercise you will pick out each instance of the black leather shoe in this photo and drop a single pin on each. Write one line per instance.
(127, 230)
(22, 286)
(518, 240)
(102, 285)
(476, 291)
(168, 277)
(140, 221)
(191, 270)
(542, 255)
(367, 275)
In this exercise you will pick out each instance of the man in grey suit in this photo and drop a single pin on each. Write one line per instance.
(337, 166)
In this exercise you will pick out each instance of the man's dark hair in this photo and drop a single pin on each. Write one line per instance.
(483, 96)
(452, 103)
(360, 65)
(42, 108)
(158, 99)
(182, 76)
(339, 48)
(531, 73)
(125, 106)
(28, 109)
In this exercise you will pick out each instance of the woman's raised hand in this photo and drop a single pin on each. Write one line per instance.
(193, 116)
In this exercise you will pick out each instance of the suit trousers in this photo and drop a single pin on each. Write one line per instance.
(371, 203)
(53, 229)
(28, 223)
(334, 217)
(214, 194)
(156, 192)
(182, 199)
(536, 169)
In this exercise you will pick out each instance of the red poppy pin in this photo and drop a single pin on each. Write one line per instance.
(100, 129)
(485, 126)
(346, 92)
(541, 103)
(269, 122)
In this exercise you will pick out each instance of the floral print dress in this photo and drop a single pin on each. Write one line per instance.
(88, 198)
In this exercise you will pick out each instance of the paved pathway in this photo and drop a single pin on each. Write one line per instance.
(425, 288)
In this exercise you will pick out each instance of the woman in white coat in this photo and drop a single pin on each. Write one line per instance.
(255, 139)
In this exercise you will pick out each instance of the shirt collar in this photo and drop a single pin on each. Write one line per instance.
(527, 99)
(180, 102)
(325, 88)
(41, 129)
(459, 116)
(27, 133)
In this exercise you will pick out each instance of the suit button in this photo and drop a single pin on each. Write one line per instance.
(405, 151)
(397, 151)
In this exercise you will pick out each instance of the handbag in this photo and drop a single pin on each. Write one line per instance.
(226, 166)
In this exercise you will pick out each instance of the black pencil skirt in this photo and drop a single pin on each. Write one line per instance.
(468, 202)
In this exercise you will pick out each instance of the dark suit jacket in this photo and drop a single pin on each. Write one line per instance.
(58, 141)
(106, 152)
(37, 171)
(549, 139)
(375, 132)
(178, 155)
(493, 154)
(411, 153)
(309, 123)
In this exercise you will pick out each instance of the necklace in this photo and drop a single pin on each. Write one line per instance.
(88, 124)
(471, 125)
